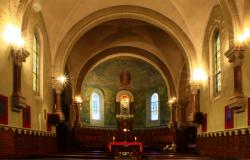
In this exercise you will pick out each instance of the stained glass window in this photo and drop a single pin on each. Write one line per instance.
(217, 62)
(95, 106)
(154, 106)
(35, 70)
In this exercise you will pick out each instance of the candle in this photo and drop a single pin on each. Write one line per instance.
(113, 138)
(135, 138)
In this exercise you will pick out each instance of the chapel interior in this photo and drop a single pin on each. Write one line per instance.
(125, 79)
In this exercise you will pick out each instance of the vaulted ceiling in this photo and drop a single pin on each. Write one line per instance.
(188, 18)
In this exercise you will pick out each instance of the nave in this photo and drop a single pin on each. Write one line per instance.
(121, 76)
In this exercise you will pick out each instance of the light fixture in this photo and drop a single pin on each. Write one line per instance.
(63, 79)
(172, 101)
(78, 100)
(12, 35)
(60, 81)
(199, 75)
(242, 38)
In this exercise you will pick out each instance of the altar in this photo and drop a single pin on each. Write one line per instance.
(125, 145)
(131, 148)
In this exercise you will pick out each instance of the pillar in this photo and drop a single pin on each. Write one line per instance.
(71, 116)
(78, 118)
(195, 98)
(19, 56)
(172, 120)
(58, 109)
(182, 113)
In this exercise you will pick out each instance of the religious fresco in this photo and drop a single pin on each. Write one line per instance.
(144, 79)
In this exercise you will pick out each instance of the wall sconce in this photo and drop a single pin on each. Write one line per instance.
(78, 100)
(12, 35)
(198, 76)
(243, 38)
(172, 102)
(60, 81)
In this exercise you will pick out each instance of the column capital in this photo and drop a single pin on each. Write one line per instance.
(19, 55)
(195, 86)
(235, 55)
(58, 89)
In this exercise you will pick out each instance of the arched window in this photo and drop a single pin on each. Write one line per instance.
(154, 107)
(96, 105)
(36, 61)
(217, 62)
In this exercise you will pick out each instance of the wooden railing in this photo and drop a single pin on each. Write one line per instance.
(19, 142)
(234, 143)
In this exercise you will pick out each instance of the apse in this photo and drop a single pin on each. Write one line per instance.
(121, 73)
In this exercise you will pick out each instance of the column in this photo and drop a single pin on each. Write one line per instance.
(172, 120)
(195, 93)
(236, 56)
(58, 109)
(19, 56)
(71, 116)
(78, 118)
(77, 105)
(182, 113)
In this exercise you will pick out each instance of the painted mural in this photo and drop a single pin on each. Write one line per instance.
(144, 80)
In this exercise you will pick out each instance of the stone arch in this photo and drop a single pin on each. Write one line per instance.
(134, 52)
(118, 12)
